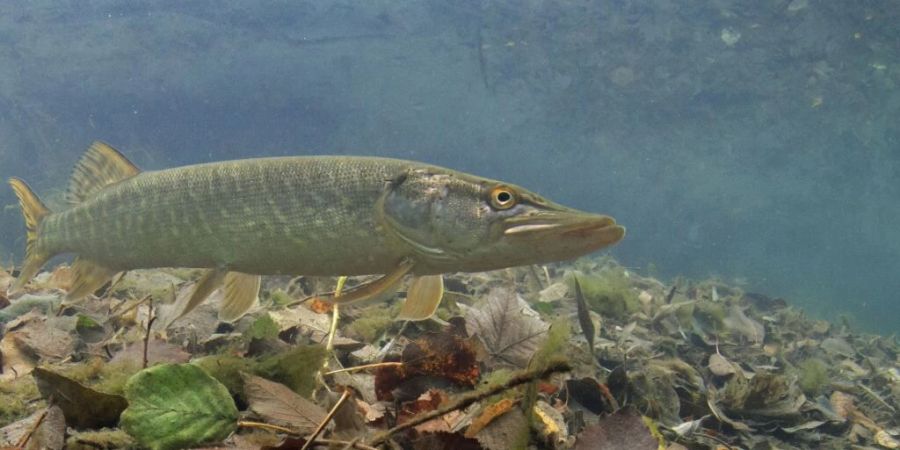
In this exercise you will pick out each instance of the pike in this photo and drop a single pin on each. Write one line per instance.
(309, 215)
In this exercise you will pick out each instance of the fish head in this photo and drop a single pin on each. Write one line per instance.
(458, 222)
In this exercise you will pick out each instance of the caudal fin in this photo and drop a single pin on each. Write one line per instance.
(35, 212)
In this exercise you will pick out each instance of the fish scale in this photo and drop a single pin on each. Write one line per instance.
(230, 215)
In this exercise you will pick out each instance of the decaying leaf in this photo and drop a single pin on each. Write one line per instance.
(31, 339)
(551, 427)
(621, 430)
(738, 322)
(584, 316)
(510, 330)
(767, 395)
(446, 355)
(158, 351)
(177, 406)
(509, 431)
(488, 415)
(720, 366)
(595, 397)
(83, 407)
(51, 433)
(275, 402)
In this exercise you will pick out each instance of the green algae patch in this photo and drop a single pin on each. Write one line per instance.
(295, 369)
(372, 325)
(227, 370)
(812, 375)
(16, 399)
(262, 328)
(609, 293)
(177, 406)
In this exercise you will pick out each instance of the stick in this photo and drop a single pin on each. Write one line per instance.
(279, 429)
(334, 410)
(464, 400)
(150, 321)
(365, 366)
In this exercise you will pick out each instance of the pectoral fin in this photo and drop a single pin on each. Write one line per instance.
(241, 294)
(384, 286)
(186, 302)
(422, 298)
(87, 277)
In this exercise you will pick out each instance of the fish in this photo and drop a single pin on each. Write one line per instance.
(298, 215)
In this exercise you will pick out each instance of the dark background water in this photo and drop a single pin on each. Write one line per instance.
(755, 141)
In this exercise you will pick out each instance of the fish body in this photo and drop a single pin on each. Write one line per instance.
(310, 215)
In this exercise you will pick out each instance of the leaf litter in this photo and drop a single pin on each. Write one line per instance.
(693, 364)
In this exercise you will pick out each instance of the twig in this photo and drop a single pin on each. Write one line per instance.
(150, 321)
(464, 400)
(334, 410)
(279, 429)
(365, 366)
(266, 426)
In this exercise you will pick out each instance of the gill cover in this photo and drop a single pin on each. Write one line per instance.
(438, 214)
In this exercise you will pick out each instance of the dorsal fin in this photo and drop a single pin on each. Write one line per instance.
(100, 166)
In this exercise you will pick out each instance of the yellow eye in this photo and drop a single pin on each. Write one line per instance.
(503, 197)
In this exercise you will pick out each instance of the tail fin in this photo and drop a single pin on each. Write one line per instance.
(34, 211)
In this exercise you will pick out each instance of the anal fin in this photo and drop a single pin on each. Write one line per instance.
(422, 298)
(241, 294)
(87, 277)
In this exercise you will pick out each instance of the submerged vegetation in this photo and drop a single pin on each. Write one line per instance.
(692, 365)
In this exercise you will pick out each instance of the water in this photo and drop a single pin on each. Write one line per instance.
(754, 141)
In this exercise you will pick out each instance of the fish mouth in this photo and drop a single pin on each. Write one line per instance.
(590, 230)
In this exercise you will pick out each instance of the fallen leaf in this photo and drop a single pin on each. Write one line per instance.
(177, 406)
(720, 366)
(622, 430)
(487, 416)
(51, 433)
(591, 394)
(510, 330)
(508, 431)
(320, 306)
(158, 351)
(83, 407)
(277, 403)
(446, 355)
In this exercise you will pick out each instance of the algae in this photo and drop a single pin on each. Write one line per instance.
(608, 293)
(812, 376)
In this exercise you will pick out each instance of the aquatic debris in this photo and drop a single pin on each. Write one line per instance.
(509, 328)
(730, 36)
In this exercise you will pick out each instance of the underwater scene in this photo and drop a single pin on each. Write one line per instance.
(472, 224)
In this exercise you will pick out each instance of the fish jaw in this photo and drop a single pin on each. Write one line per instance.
(560, 234)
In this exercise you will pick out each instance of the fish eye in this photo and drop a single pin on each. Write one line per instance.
(502, 197)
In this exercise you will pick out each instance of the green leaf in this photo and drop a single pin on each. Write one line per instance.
(177, 406)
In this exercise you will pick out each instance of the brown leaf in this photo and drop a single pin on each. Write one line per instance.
(510, 430)
(320, 306)
(158, 351)
(38, 338)
(446, 355)
(51, 433)
(621, 430)
(444, 441)
(278, 403)
(510, 330)
(83, 407)
(488, 415)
